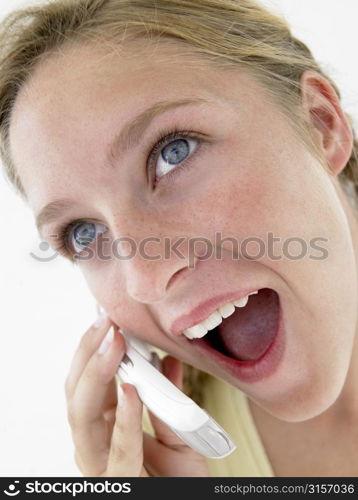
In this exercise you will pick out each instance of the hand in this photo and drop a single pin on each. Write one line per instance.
(108, 438)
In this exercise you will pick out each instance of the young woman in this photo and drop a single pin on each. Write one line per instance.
(128, 124)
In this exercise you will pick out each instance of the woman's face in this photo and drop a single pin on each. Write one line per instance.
(239, 171)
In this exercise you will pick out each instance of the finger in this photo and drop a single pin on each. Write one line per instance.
(126, 451)
(173, 370)
(110, 402)
(162, 461)
(90, 430)
(89, 343)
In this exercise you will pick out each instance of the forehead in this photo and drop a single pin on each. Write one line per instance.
(75, 100)
(90, 79)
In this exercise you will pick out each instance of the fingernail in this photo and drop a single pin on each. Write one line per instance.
(100, 320)
(106, 342)
(120, 395)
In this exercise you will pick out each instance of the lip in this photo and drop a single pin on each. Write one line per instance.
(204, 309)
(246, 371)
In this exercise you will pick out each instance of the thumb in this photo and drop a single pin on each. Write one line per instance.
(126, 450)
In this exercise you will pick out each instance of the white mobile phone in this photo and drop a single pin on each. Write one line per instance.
(182, 415)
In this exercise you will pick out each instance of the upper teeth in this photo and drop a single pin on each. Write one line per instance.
(215, 318)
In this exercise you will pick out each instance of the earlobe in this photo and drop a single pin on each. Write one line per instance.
(331, 128)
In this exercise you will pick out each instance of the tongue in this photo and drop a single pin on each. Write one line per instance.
(247, 334)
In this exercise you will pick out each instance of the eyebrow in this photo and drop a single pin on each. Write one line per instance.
(129, 137)
(133, 131)
(52, 211)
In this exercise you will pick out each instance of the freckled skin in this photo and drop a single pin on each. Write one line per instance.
(254, 177)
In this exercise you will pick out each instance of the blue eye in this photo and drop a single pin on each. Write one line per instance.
(83, 234)
(176, 151)
(173, 154)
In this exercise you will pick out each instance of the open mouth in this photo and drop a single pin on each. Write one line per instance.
(249, 343)
(249, 331)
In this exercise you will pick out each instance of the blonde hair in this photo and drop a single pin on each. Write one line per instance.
(234, 33)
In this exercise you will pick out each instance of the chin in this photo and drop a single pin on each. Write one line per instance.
(303, 403)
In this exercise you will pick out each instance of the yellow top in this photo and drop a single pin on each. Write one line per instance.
(229, 407)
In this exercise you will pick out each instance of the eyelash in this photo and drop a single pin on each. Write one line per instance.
(165, 137)
(61, 239)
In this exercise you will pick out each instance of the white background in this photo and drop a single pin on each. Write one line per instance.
(46, 307)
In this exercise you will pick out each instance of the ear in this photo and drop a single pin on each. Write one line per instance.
(332, 130)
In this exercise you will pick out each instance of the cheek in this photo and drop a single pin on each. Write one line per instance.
(245, 198)
(107, 285)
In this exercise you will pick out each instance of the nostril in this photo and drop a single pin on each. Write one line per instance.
(176, 275)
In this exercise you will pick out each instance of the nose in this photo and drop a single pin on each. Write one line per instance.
(148, 275)
(151, 255)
